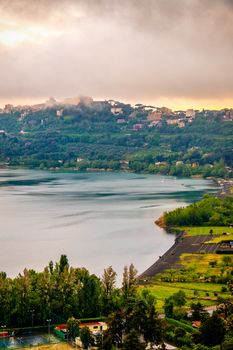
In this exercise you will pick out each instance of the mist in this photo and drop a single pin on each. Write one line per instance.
(136, 50)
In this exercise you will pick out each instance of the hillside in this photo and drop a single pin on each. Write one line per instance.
(113, 135)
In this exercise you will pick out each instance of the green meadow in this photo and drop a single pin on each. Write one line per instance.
(205, 230)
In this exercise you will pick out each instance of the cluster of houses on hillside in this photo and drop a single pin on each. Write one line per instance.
(144, 116)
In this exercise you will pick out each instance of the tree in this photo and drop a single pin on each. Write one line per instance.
(109, 280)
(197, 311)
(152, 328)
(73, 327)
(212, 330)
(63, 262)
(116, 327)
(227, 260)
(179, 298)
(51, 267)
(227, 344)
(129, 281)
(85, 336)
(131, 341)
(168, 307)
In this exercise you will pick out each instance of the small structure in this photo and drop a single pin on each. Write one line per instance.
(190, 113)
(121, 121)
(61, 331)
(137, 127)
(4, 334)
(116, 110)
(225, 246)
(196, 324)
(95, 326)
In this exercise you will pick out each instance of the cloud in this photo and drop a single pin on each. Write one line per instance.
(135, 50)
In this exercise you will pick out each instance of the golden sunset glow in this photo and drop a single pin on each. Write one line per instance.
(34, 35)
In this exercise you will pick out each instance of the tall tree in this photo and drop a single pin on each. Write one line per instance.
(109, 280)
(132, 341)
(86, 338)
(72, 327)
(152, 328)
(63, 262)
(213, 330)
(129, 281)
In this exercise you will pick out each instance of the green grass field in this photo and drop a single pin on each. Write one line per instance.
(194, 292)
(196, 266)
(205, 230)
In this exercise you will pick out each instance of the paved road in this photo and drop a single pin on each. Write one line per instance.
(170, 260)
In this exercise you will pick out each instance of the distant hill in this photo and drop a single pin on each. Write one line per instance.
(84, 134)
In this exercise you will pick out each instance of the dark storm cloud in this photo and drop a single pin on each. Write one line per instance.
(134, 50)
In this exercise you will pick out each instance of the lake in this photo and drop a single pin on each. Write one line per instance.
(96, 219)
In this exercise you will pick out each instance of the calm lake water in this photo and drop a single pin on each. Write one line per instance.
(96, 219)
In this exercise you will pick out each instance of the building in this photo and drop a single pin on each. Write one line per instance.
(190, 113)
(154, 123)
(228, 115)
(121, 121)
(116, 110)
(8, 108)
(59, 113)
(181, 124)
(172, 121)
(137, 127)
(154, 116)
(95, 326)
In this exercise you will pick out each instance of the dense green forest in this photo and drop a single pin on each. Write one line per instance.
(211, 211)
(62, 293)
(59, 291)
(93, 136)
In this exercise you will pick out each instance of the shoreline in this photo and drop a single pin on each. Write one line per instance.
(161, 264)
(217, 180)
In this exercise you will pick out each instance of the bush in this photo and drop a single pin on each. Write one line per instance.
(213, 263)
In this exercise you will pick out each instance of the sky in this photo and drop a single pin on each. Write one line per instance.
(174, 53)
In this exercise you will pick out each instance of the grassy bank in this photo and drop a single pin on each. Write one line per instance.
(205, 230)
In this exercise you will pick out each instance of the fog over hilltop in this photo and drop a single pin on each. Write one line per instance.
(175, 53)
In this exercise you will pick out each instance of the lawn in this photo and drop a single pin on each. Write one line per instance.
(194, 292)
(205, 230)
